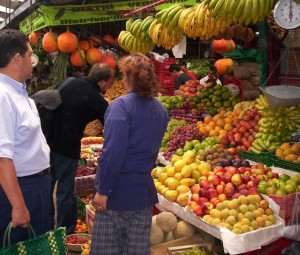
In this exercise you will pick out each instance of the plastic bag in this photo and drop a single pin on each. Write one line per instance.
(292, 230)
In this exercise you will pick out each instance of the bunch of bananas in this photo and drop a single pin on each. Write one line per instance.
(136, 36)
(169, 17)
(197, 21)
(242, 11)
(276, 125)
(164, 36)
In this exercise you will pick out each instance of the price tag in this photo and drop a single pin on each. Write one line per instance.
(295, 137)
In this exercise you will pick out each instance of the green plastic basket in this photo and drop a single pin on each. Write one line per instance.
(286, 164)
(81, 205)
(266, 158)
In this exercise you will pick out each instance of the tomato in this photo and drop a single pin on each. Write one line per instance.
(79, 221)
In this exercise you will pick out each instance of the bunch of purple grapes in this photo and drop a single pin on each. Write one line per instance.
(178, 138)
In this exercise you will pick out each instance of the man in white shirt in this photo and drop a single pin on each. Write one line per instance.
(24, 153)
(212, 75)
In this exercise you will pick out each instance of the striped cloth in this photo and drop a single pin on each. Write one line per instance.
(121, 232)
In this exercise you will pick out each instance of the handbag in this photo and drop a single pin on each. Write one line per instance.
(51, 243)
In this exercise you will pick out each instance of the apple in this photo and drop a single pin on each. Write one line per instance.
(251, 184)
(246, 179)
(198, 210)
(209, 173)
(244, 192)
(203, 183)
(229, 184)
(220, 188)
(203, 200)
(195, 189)
(253, 191)
(216, 180)
(192, 205)
(231, 169)
(195, 197)
(222, 197)
(203, 177)
(207, 207)
(232, 150)
(242, 169)
(210, 193)
(214, 201)
(236, 179)
(227, 177)
(202, 192)
(221, 174)
(229, 191)
(236, 195)
(218, 169)
(259, 165)
(276, 175)
(242, 186)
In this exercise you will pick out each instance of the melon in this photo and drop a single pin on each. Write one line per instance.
(167, 221)
(183, 229)
(154, 220)
(156, 235)
(168, 237)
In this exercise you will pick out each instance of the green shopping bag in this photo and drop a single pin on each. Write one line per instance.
(50, 243)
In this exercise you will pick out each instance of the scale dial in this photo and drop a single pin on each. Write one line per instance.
(287, 14)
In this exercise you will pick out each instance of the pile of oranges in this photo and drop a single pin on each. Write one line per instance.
(218, 125)
(81, 226)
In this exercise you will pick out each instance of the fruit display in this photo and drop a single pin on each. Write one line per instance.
(284, 185)
(215, 98)
(276, 125)
(86, 247)
(87, 198)
(189, 112)
(171, 102)
(93, 129)
(76, 239)
(243, 214)
(92, 140)
(178, 138)
(242, 11)
(189, 89)
(81, 226)
(215, 155)
(289, 152)
(116, 90)
(91, 154)
(85, 171)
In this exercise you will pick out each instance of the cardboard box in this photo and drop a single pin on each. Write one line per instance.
(184, 248)
(89, 218)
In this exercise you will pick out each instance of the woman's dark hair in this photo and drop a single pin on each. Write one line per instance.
(139, 70)
(182, 63)
(100, 72)
(12, 42)
(174, 67)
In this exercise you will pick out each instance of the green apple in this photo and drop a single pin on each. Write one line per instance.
(289, 189)
(284, 177)
(280, 192)
(271, 191)
(179, 152)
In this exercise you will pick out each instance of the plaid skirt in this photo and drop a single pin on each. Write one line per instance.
(121, 232)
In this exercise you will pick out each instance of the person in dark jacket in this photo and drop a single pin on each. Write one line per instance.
(180, 76)
(183, 67)
(82, 103)
(133, 131)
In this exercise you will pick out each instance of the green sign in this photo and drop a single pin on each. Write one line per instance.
(87, 14)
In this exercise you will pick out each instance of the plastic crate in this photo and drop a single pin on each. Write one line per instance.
(273, 248)
(286, 204)
(164, 65)
(266, 158)
(286, 164)
(81, 206)
(89, 218)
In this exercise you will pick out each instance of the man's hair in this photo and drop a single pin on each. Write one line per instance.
(182, 63)
(12, 42)
(174, 67)
(100, 72)
(213, 68)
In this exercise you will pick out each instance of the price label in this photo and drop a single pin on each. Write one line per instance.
(295, 137)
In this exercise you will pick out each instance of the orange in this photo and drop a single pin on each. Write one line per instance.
(227, 127)
(217, 117)
(220, 123)
(79, 221)
(223, 133)
(228, 120)
(202, 130)
(207, 119)
(213, 133)
(212, 124)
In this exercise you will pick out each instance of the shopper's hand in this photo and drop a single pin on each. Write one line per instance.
(20, 217)
(100, 202)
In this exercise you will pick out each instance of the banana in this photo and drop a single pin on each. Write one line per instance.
(146, 25)
(128, 24)
(160, 13)
(148, 19)
(201, 17)
(212, 4)
(124, 38)
(156, 33)
(173, 11)
(174, 21)
(239, 10)
(135, 26)
(218, 7)
(121, 35)
(255, 11)
(151, 27)
(262, 9)
(270, 7)
(217, 26)
(183, 17)
(187, 23)
(245, 12)
(226, 7)
(232, 6)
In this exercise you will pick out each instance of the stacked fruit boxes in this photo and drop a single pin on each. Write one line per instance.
(165, 77)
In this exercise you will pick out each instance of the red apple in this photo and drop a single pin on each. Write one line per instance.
(195, 197)
(242, 169)
(259, 165)
(229, 185)
(276, 175)
(203, 183)
(192, 205)
(203, 177)
(210, 193)
(195, 189)
(270, 174)
(207, 207)
(236, 179)
(198, 210)
(221, 174)
(244, 192)
(246, 178)
(231, 169)
(251, 184)
(220, 188)
(227, 177)
(216, 180)
(236, 195)
(202, 192)
(210, 173)
(218, 169)
(232, 150)
(203, 200)
(229, 191)
(242, 186)
(215, 201)
(253, 191)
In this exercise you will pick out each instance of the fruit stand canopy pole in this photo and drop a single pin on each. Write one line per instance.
(145, 8)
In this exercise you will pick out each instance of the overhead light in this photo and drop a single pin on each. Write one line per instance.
(256, 33)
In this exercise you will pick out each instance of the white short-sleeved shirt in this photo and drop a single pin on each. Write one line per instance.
(21, 137)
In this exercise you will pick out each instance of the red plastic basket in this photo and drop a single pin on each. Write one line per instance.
(286, 204)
